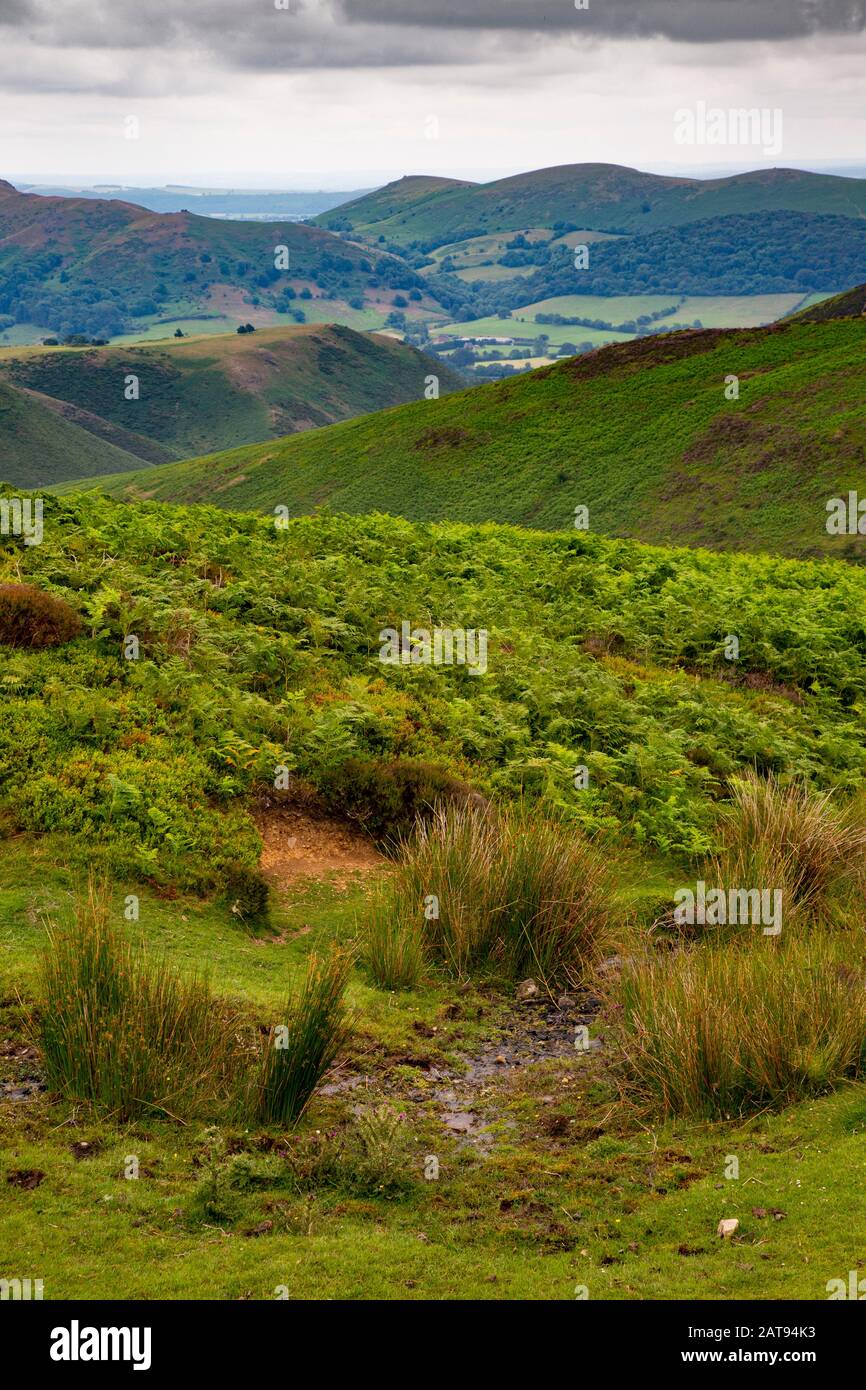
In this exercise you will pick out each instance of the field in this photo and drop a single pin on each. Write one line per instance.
(550, 1180)
(517, 327)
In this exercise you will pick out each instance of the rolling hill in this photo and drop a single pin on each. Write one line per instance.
(640, 433)
(195, 395)
(102, 267)
(758, 253)
(603, 197)
(31, 433)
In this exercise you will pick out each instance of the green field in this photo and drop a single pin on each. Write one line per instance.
(525, 327)
(611, 1206)
(617, 309)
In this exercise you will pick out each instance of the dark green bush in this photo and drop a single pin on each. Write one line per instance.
(389, 798)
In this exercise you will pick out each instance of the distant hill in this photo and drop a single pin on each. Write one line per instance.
(104, 267)
(603, 197)
(198, 395)
(758, 253)
(640, 433)
(210, 202)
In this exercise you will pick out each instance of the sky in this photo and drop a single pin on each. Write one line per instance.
(343, 94)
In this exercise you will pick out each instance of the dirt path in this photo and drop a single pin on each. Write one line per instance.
(299, 845)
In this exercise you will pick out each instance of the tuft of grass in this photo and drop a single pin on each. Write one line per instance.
(394, 947)
(129, 1035)
(720, 1031)
(792, 838)
(294, 1061)
(503, 890)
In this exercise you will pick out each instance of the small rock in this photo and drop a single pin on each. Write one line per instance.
(727, 1226)
(527, 989)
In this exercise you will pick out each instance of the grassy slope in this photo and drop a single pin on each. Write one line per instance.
(642, 434)
(30, 433)
(216, 392)
(596, 196)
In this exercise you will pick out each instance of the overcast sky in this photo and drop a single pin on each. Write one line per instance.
(347, 93)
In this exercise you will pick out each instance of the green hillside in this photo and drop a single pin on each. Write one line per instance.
(604, 197)
(198, 395)
(31, 434)
(640, 433)
(104, 267)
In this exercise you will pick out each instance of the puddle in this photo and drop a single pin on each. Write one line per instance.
(28, 1089)
(538, 1030)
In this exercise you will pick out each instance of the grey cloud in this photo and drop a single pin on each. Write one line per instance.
(693, 21)
(253, 35)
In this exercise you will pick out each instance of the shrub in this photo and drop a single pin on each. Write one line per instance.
(389, 798)
(720, 1031)
(374, 1158)
(508, 891)
(29, 617)
(317, 1028)
(126, 1034)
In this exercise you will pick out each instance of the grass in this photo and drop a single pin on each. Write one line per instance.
(718, 1032)
(32, 434)
(122, 1031)
(605, 198)
(751, 474)
(505, 891)
(195, 394)
(299, 1053)
(784, 836)
(628, 1210)
(524, 326)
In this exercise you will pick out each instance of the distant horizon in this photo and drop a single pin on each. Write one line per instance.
(345, 181)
